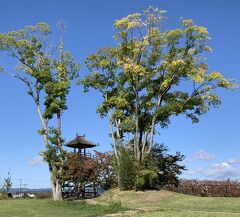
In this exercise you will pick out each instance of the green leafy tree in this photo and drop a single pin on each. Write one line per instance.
(166, 166)
(47, 73)
(151, 75)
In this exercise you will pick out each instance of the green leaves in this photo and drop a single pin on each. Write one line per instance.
(48, 78)
(50, 75)
(152, 75)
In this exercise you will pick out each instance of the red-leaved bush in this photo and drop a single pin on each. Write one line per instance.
(208, 188)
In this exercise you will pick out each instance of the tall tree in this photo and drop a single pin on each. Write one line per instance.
(47, 73)
(151, 75)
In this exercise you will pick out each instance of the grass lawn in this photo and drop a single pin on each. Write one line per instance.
(48, 208)
(169, 204)
(141, 204)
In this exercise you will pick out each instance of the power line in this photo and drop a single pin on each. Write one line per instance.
(31, 180)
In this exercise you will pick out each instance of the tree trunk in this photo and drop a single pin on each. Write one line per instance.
(136, 134)
(153, 126)
(56, 186)
(144, 144)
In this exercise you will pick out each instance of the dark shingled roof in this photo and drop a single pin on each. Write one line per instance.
(80, 142)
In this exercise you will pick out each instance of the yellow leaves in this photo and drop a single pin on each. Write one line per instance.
(166, 82)
(174, 34)
(152, 33)
(132, 25)
(104, 63)
(176, 65)
(202, 30)
(214, 75)
(44, 27)
(23, 43)
(199, 75)
(197, 78)
(121, 23)
(41, 26)
(133, 69)
(177, 62)
(130, 22)
(210, 97)
(187, 22)
(194, 32)
(221, 81)
(138, 46)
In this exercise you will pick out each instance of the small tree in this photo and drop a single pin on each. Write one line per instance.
(81, 170)
(167, 166)
(7, 184)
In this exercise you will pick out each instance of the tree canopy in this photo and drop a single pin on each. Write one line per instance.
(150, 75)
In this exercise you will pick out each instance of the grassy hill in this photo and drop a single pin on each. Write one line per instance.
(170, 204)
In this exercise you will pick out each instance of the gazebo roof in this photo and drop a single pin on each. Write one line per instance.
(80, 142)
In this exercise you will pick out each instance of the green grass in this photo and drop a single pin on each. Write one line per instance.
(143, 204)
(48, 208)
(169, 204)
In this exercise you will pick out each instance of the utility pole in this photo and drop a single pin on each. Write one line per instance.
(20, 186)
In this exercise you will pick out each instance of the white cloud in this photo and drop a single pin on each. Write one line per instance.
(203, 155)
(222, 171)
(189, 172)
(36, 161)
(234, 161)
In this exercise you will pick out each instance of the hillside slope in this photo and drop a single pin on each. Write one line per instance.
(136, 199)
(171, 204)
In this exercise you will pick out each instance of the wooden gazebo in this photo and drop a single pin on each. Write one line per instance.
(80, 144)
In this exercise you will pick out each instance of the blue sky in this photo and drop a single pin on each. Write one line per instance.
(211, 147)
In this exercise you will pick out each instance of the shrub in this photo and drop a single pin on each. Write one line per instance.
(43, 195)
(3, 195)
(126, 169)
(147, 179)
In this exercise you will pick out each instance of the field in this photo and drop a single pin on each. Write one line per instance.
(138, 204)
(48, 208)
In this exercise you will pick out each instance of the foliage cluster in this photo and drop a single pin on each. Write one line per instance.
(159, 169)
(151, 75)
(81, 170)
